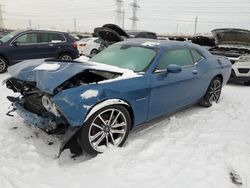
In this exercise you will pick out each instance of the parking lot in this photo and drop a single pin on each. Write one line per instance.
(197, 147)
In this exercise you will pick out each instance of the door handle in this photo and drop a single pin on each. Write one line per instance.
(51, 44)
(195, 72)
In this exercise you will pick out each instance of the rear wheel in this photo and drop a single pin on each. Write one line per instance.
(93, 52)
(66, 57)
(213, 92)
(3, 64)
(108, 126)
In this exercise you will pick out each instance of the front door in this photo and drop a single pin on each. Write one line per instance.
(24, 47)
(171, 91)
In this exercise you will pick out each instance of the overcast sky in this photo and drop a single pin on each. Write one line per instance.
(161, 16)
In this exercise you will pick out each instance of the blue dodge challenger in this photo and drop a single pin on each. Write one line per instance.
(95, 103)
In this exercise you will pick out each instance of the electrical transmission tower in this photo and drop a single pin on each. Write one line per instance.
(134, 18)
(1, 18)
(119, 18)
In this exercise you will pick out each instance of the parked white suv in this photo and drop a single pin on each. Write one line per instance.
(241, 69)
(88, 46)
(235, 45)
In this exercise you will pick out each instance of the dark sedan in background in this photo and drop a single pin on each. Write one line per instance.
(35, 44)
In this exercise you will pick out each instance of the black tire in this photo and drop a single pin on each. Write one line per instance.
(213, 92)
(93, 52)
(65, 57)
(247, 83)
(107, 132)
(3, 65)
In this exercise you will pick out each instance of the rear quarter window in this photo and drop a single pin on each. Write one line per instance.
(196, 55)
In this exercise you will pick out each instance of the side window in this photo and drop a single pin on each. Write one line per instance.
(57, 37)
(50, 37)
(180, 57)
(44, 37)
(196, 55)
(97, 41)
(28, 38)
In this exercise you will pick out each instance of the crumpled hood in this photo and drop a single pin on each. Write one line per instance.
(50, 74)
(235, 37)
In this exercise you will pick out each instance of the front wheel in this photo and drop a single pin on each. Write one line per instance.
(108, 126)
(213, 92)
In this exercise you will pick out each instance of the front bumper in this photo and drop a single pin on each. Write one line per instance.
(47, 122)
(69, 139)
(240, 72)
(234, 78)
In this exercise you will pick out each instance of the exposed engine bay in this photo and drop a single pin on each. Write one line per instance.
(229, 52)
(40, 103)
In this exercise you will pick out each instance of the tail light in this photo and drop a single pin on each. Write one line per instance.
(82, 45)
(74, 45)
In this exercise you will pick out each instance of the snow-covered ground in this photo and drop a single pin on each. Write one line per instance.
(197, 147)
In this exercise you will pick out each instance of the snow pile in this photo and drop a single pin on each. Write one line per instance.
(89, 94)
(197, 147)
(48, 66)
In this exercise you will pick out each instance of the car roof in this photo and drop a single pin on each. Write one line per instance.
(43, 30)
(158, 44)
(154, 43)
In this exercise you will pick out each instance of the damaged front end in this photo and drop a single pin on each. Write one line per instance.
(37, 108)
(43, 103)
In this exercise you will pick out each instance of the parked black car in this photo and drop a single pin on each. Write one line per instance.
(111, 33)
(35, 44)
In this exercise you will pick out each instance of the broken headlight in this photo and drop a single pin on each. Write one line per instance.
(49, 105)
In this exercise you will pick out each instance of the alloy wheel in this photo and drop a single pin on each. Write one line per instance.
(2, 65)
(215, 91)
(108, 128)
(66, 57)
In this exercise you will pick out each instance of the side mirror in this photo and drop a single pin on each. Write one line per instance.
(15, 43)
(173, 68)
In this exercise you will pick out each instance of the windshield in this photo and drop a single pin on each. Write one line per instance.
(135, 58)
(6, 38)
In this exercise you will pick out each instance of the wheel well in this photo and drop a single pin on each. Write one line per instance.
(120, 102)
(64, 53)
(220, 76)
(94, 49)
(1, 55)
(131, 113)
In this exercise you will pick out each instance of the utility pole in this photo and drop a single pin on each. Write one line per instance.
(1, 18)
(75, 25)
(119, 12)
(123, 18)
(176, 29)
(30, 24)
(134, 18)
(195, 25)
